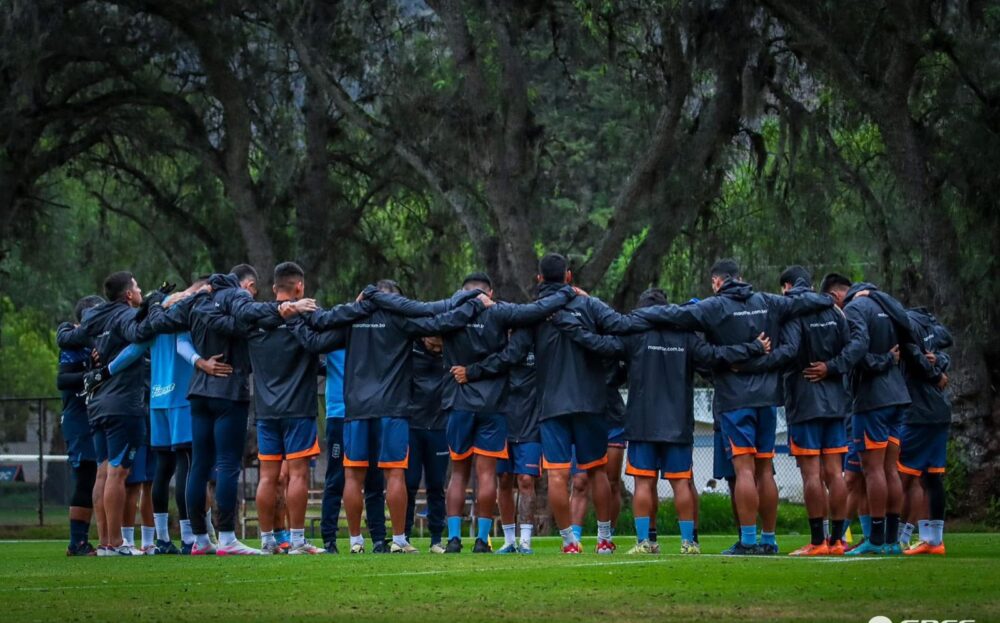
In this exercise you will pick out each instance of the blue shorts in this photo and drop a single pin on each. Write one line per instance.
(471, 433)
(79, 439)
(876, 429)
(584, 433)
(143, 467)
(650, 459)
(170, 428)
(923, 448)
(616, 437)
(523, 458)
(852, 460)
(385, 440)
(287, 438)
(117, 439)
(815, 437)
(722, 466)
(750, 431)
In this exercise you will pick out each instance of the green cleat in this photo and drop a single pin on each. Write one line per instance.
(690, 547)
(641, 548)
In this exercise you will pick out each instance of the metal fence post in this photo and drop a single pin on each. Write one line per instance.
(41, 462)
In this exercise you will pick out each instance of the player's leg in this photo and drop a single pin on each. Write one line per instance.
(356, 462)
(676, 463)
(616, 455)
(229, 431)
(125, 435)
(375, 497)
(590, 434)
(414, 474)
(893, 485)
(435, 476)
(280, 519)
(738, 431)
(460, 434)
(836, 490)
(642, 465)
(489, 445)
(166, 467)
(301, 446)
(180, 498)
(147, 527)
(557, 455)
(333, 483)
(526, 506)
(132, 492)
(202, 464)
(83, 462)
(392, 460)
(97, 497)
(267, 491)
(506, 502)
(767, 489)
(872, 437)
(579, 498)
(929, 442)
(805, 445)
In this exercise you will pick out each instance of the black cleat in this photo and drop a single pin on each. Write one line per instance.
(767, 549)
(81, 549)
(331, 547)
(166, 547)
(739, 549)
(378, 547)
(482, 547)
(454, 546)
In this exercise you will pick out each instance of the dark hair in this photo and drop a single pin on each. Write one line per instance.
(388, 285)
(87, 302)
(833, 280)
(552, 267)
(287, 274)
(652, 296)
(244, 272)
(117, 284)
(478, 278)
(726, 268)
(794, 273)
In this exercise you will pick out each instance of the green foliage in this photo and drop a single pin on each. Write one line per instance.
(28, 355)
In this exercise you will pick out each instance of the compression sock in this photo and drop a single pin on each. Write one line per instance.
(454, 527)
(162, 523)
(483, 527)
(891, 528)
(687, 530)
(837, 530)
(768, 538)
(906, 533)
(652, 535)
(509, 533)
(187, 535)
(567, 536)
(577, 532)
(603, 530)
(695, 535)
(526, 530)
(748, 535)
(866, 525)
(148, 536)
(924, 530)
(79, 532)
(641, 529)
(937, 531)
(227, 537)
(816, 530)
(298, 536)
(878, 531)
(128, 535)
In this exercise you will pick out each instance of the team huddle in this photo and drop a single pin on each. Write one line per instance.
(159, 388)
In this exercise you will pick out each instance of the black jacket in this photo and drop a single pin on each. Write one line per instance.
(819, 336)
(615, 376)
(931, 404)
(429, 378)
(661, 367)
(737, 315)
(875, 379)
(517, 361)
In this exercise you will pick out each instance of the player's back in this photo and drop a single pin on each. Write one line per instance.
(661, 387)
(377, 372)
(284, 373)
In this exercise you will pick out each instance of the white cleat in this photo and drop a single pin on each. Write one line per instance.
(306, 548)
(237, 549)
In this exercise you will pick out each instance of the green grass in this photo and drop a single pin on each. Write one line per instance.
(37, 583)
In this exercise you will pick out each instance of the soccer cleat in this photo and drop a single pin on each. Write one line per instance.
(836, 548)
(102, 550)
(83, 548)
(524, 549)
(436, 548)
(121, 550)
(186, 549)
(605, 547)
(331, 547)
(454, 546)
(865, 548)
(642, 547)
(271, 548)
(739, 549)
(406, 548)
(135, 551)
(923, 548)
(654, 547)
(306, 548)
(379, 547)
(166, 547)
(508, 548)
(688, 548)
(856, 545)
(236, 548)
(812, 550)
(481, 547)
(284, 538)
(149, 550)
(767, 549)
(358, 548)
(892, 549)
(572, 548)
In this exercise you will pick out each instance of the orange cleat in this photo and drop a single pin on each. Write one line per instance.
(837, 548)
(925, 548)
(812, 550)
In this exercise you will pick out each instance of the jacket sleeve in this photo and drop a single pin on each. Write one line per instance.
(317, 342)
(339, 315)
(513, 315)
(942, 336)
(222, 323)
(515, 352)
(248, 311)
(131, 329)
(685, 317)
(905, 331)
(128, 356)
(708, 356)
(857, 345)
(781, 357)
(447, 322)
(604, 345)
(69, 337)
(70, 381)
(788, 307)
(403, 306)
(943, 362)
(918, 362)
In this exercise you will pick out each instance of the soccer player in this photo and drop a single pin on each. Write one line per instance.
(926, 424)
(138, 489)
(476, 424)
(659, 421)
(815, 410)
(73, 363)
(428, 442)
(879, 395)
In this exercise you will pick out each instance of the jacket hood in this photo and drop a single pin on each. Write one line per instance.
(98, 314)
(548, 288)
(223, 282)
(858, 287)
(801, 287)
(739, 290)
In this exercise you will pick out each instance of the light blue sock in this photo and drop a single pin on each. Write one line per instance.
(687, 530)
(577, 531)
(866, 525)
(641, 529)
(483, 532)
(767, 538)
(455, 527)
(748, 535)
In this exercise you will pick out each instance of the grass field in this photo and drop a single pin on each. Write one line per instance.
(38, 583)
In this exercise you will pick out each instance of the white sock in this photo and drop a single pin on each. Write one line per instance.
(603, 530)
(148, 534)
(924, 529)
(227, 538)
(567, 536)
(826, 528)
(187, 536)
(202, 541)
(526, 530)
(208, 523)
(399, 539)
(509, 536)
(298, 536)
(937, 531)
(267, 537)
(357, 540)
(128, 535)
(906, 533)
(162, 523)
